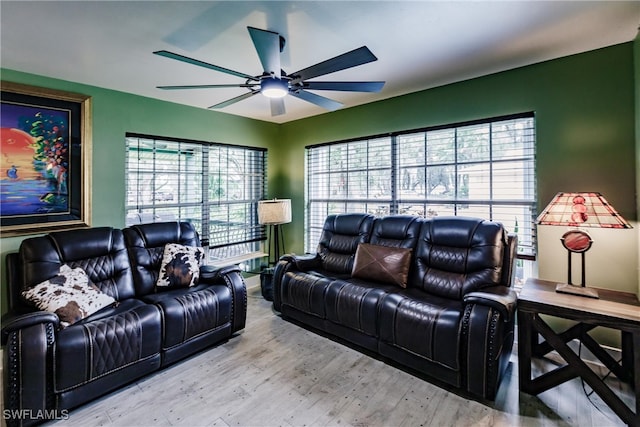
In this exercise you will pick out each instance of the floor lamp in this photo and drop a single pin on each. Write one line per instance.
(274, 213)
(579, 210)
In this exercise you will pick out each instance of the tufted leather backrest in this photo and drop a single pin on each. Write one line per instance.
(339, 240)
(458, 255)
(146, 246)
(99, 251)
(400, 231)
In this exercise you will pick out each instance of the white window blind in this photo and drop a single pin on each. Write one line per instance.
(347, 177)
(216, 187)
(482, 169)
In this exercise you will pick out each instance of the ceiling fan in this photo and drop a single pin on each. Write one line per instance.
(275, 84)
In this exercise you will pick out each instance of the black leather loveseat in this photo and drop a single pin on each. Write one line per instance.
(450, 314)
(49, 368)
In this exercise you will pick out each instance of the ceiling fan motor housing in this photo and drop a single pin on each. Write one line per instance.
(272, 87)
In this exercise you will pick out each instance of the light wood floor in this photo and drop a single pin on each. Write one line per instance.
(279, 374)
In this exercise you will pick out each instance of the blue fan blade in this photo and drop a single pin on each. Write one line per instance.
(188, 60)
(326, 103)
(205, 86)
(345, 86)
(277, 106)
(234, 100)
(350, 59)
(267, 44)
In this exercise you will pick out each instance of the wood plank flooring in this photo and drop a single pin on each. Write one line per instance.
(279, 374)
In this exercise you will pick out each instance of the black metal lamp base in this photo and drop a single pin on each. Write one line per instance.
(565, 288)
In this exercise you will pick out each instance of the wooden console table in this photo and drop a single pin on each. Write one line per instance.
(616, 310)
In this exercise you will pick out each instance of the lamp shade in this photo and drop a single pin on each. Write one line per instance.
(581, 210)
(273, 212)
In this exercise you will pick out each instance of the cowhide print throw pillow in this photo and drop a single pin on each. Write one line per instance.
(70, 295)
(180, 266)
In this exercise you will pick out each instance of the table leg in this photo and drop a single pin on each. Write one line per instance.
(526, 337)
(629, 357)
(635, 350)
(574, 332)
(618, 370)
(525, 347)
(610, 398)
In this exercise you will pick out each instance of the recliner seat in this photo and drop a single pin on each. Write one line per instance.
(194, 317)
(47, 367)
(454, 321)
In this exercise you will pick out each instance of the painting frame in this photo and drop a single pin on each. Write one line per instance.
(69, 189)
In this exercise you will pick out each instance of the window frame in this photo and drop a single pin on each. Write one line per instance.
(397, 200)
(212, 208)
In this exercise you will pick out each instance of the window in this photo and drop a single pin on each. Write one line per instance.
(214, 186)
(347, 177)
(483, 169)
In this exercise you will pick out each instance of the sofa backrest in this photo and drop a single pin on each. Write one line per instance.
(341, 235)
(400, 231)
(458, 255)
(146, 246)
(99, 251)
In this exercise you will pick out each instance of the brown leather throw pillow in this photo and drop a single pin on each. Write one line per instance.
(382, 264)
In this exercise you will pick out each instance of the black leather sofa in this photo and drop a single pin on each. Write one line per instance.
(453, 321)
(48, 369)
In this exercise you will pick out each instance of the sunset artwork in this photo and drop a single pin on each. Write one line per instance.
(34, 166)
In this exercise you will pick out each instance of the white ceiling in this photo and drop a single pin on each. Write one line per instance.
(419, 44)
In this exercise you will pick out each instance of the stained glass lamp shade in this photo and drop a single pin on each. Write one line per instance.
(579, 210)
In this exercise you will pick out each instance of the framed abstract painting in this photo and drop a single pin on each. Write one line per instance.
(45, 177)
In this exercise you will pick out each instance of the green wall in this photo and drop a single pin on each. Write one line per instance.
(114, 114)
(586, 120)
(584, 107)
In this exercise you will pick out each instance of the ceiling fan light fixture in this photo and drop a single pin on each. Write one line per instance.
(275, 84)
(274, 88)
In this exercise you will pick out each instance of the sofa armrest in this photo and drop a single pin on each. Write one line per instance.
(23, 321)
(487, 337)
(303, 262)
(287, 263)
(231, 276)
(27, 366)
(509, 260)
(500, 298)
(210, 275)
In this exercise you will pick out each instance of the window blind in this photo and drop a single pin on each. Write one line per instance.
(483, 169)
(216, 187)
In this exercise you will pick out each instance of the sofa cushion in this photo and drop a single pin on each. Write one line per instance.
(400, 231)
(180, 266)
(382, 264)
(189, 312)
(305, 292)
(99, 251)
(339, 240)
(145, 243)
(422, 324)
(70, 295)
(108, 341)
(354, 303)
(458, 255)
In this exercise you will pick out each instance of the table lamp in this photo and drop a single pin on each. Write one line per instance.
(579, 210)
(274, 213)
